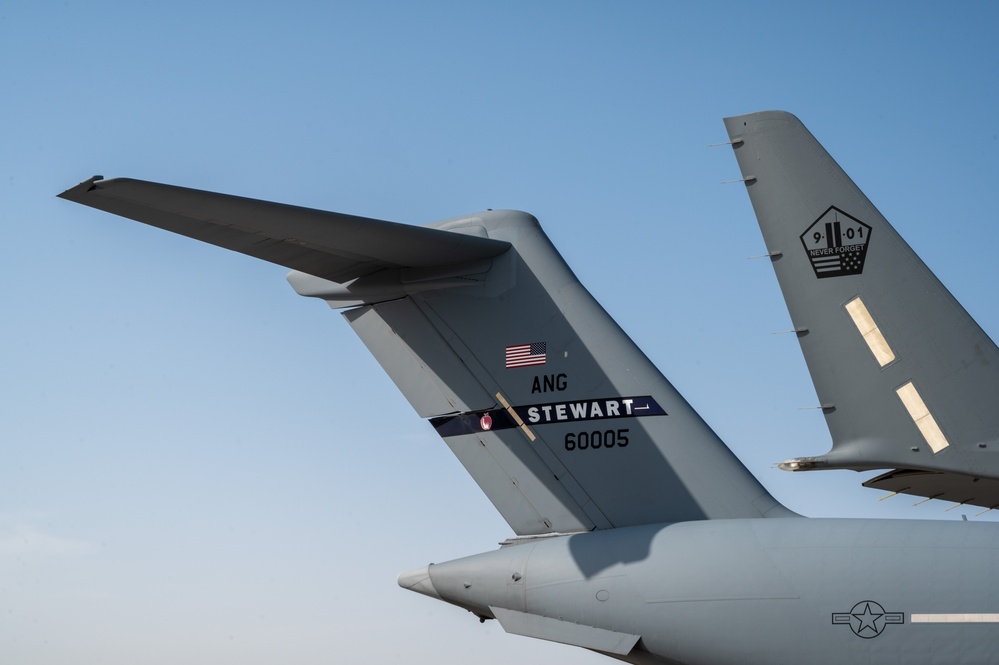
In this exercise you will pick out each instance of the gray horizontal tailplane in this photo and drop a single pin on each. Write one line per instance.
(329, 245)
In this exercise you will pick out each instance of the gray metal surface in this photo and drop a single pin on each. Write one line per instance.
(799, 193)
(399, 336)
(565, 632)
(958, 488)
(744, 592)
(653, 461)
(329, 245)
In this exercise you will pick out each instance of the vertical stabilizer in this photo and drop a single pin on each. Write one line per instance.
(559, 417)
(905, 376)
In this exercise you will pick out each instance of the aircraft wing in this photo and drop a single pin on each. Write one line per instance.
(906, 379)
(329, 245)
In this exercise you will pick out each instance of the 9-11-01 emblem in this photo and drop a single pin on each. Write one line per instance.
(836, 244)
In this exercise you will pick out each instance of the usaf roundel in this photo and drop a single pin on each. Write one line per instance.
(836, 244)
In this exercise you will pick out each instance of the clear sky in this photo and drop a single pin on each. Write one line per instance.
(199, 466)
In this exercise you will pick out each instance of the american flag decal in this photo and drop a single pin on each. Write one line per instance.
(526, 355)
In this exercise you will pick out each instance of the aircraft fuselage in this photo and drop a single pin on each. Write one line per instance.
(765, 591)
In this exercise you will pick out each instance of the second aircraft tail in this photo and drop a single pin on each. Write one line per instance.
(906, 378)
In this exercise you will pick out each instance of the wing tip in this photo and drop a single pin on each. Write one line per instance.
(738, 126)
(76, 192)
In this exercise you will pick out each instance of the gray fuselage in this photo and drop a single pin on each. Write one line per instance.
(756, 590)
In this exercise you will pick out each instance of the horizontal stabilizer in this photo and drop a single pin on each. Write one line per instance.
(907, 379)
(958, 488)
(329, 245)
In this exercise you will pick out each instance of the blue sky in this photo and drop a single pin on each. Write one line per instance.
(197, 465)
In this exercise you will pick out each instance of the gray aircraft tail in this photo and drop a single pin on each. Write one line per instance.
(906, 379)
(561, 420)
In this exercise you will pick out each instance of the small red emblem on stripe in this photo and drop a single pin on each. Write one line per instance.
(486, 421)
